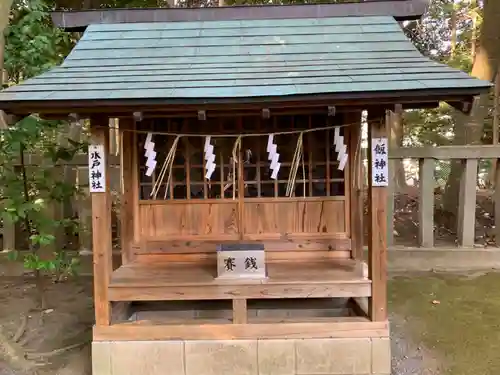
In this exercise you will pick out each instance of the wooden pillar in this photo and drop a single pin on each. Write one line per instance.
(355, 184)
(101, 227)
(377, 225)
(426, 202)
(467, 204)
(129, 187)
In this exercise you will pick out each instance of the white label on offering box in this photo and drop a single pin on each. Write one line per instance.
(241, 261)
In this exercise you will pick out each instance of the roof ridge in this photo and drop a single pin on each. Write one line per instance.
(400, 9)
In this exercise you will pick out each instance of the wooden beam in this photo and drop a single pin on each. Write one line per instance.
(356, 327)
(101, 229)
(163, 111)
(447, 152)
(426, 202)
(356, 184)
(56, 109)
(135, 188)
(400, 9)
(377, 227)
(464, 106)
(128, 186)
(202, 115)
(439, 153)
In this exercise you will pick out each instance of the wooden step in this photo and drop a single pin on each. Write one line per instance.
(197, 281)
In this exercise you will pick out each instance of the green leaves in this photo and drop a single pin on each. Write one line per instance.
(33, 45)
(42, 239)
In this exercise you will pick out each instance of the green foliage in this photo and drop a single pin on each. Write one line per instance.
(28, 192)
(33, 44)
(432, 36)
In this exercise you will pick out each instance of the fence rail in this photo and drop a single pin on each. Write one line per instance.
(469, 157)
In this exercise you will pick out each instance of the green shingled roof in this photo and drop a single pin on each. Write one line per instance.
(241, 59)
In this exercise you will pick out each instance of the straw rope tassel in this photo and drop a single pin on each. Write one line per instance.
(170, 165)
(236, 150)
(303, 170)
(295, 166)
(167, 165)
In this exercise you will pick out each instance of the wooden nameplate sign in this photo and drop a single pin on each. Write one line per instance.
(241, 261)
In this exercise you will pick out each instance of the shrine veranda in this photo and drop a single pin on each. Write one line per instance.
(241, 180)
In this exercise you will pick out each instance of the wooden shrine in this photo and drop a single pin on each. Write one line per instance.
(242, 197)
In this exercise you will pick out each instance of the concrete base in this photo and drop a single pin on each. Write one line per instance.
(347, 356)
(404, 259)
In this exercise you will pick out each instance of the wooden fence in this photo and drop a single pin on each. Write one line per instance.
(424, 195)
(469, 157)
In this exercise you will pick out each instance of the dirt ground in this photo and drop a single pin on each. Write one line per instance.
(440, 324)
(54, 341)
(68, 320)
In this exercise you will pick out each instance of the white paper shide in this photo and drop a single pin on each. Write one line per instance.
(97, 170)
(150, 154)
(209, 158)
(380, 162)
(340, 149)
(273, 156)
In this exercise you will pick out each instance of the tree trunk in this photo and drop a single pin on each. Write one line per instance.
(469, 129)
(475, 10)
(396, 141)
(5, 6)
(495, 125)
(453, 27)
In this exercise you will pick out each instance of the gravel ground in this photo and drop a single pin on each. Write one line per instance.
(409, 358)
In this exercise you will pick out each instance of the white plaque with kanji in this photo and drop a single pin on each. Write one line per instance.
(97, 170)
(380, 162)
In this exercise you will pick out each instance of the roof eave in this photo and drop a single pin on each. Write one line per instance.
(460, 98)
(402, 10)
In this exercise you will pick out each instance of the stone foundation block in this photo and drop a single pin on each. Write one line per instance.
(333, 356)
